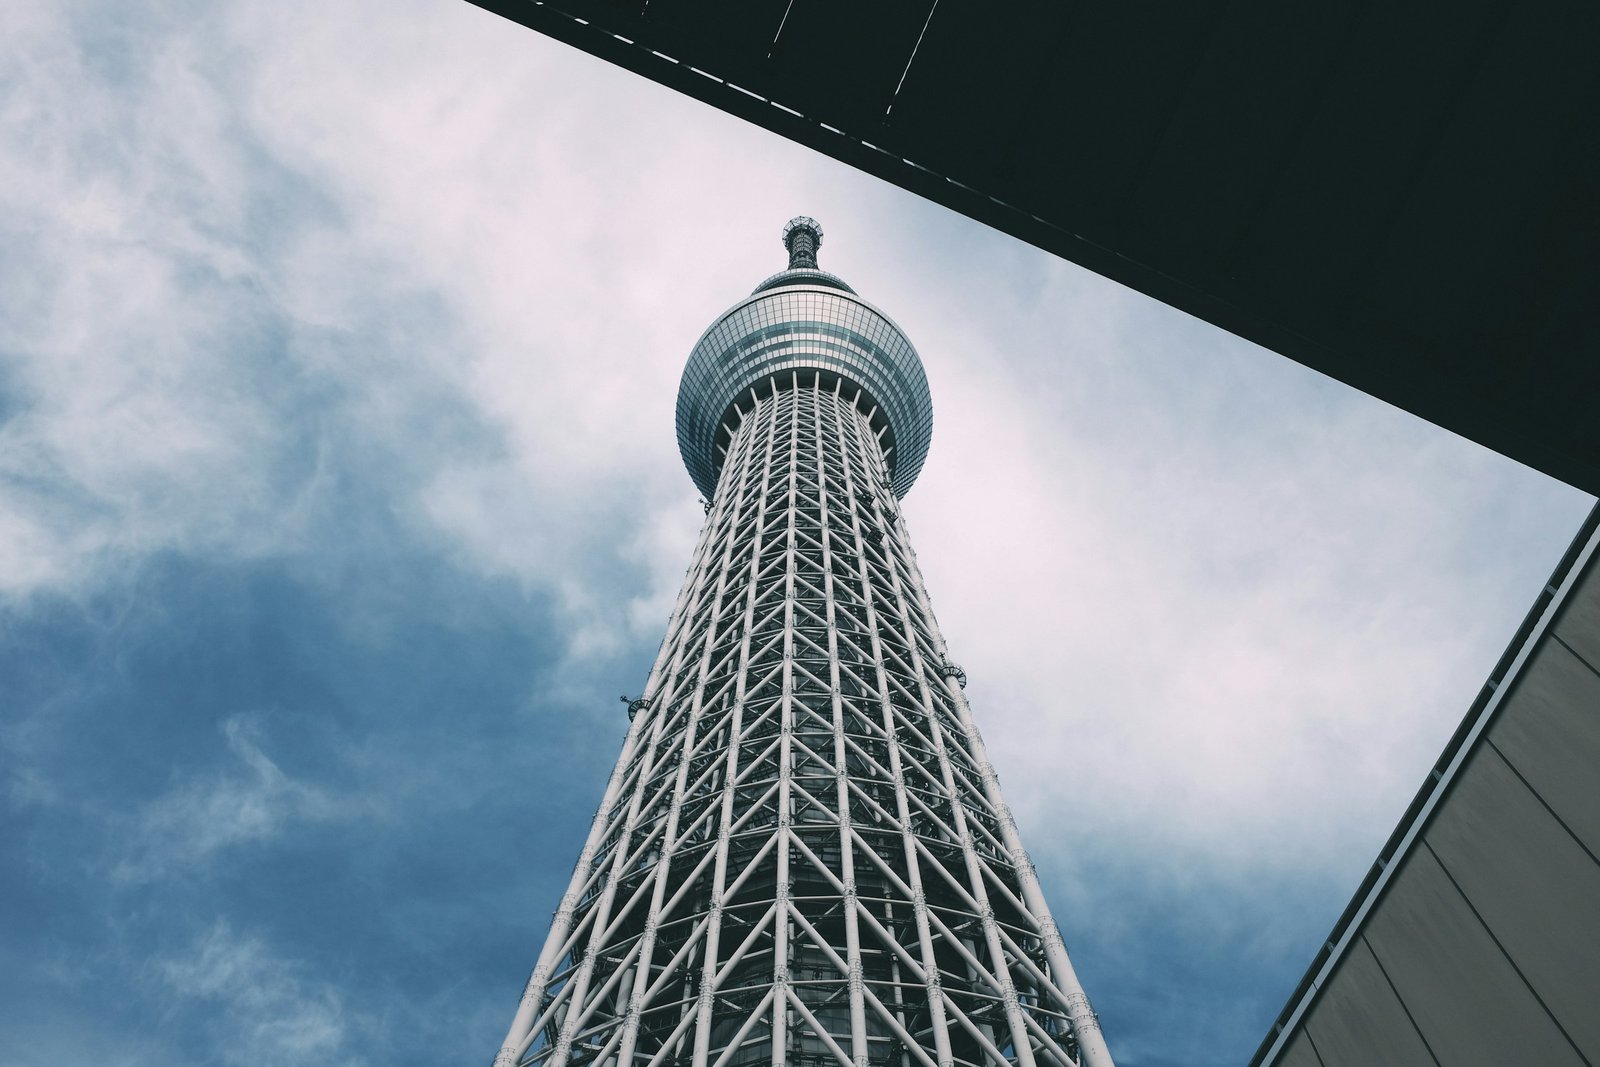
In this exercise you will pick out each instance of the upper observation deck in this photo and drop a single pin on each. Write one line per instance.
(804, 320)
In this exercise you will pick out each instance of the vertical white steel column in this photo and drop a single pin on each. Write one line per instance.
(933, 990)
(520, 1032)
(847, 872)
(1085, 1023)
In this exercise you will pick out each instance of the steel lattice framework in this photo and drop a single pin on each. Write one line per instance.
(803, 856)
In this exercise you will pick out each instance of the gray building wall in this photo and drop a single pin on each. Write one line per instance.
(1480, 942)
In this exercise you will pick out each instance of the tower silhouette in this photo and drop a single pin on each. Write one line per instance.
(803, 857)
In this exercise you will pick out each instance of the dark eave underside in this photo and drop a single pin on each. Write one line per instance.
(1401, 195)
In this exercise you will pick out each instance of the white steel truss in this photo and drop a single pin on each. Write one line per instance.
(803, 856)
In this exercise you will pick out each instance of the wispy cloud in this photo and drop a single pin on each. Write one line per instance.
(262, 1007)
(249, 801)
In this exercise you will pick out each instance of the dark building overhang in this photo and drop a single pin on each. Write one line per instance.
(1403, 196)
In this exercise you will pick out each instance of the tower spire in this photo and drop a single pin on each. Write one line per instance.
(802, 237)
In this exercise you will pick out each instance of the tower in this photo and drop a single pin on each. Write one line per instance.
(802, 856)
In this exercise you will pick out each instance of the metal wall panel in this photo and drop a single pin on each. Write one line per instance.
(1534, 887)
(1475, 938)
(1467, 999)
(1550, 733)
(1579, 625)
(1360, 1021)
(1301, 1054)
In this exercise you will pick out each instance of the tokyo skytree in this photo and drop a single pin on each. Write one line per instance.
(802, 857)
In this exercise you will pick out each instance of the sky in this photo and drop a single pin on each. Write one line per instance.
(339, 501)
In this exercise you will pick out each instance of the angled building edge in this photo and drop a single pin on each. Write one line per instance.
(1475, 936)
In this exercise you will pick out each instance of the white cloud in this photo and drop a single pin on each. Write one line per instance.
(134, 426)
(249, 278)
(1229, 617)
(251, 800)
(263, 1009)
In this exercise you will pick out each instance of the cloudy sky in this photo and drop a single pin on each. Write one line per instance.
(339, 501)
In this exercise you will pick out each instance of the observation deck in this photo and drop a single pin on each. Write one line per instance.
(804, 320)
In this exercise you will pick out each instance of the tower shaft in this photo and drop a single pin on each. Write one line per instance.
(803, 856)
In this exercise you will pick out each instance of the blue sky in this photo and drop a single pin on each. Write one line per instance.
(339, 500)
